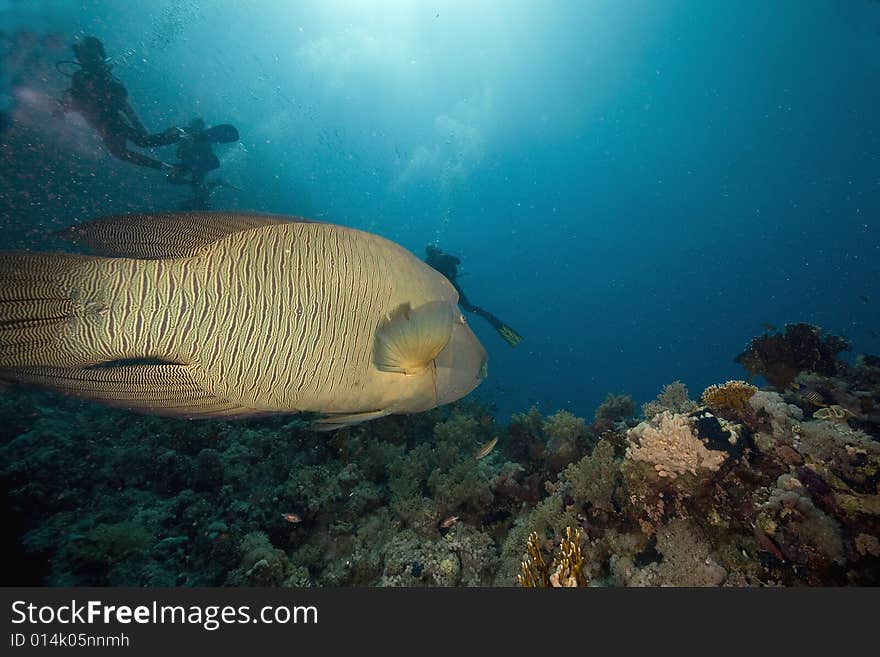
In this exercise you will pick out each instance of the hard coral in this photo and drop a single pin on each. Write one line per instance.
(780, 357)
(729, 400)
(782, 416)
(670, 445)
(534, 571)
(568, 565)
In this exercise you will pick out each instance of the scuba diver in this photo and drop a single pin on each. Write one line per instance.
(447, 265)
(102, 100)
(196, 158)
(195, 153)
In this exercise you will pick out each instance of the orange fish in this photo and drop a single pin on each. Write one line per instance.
(291, 517)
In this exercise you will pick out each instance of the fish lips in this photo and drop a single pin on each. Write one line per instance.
(461, 366)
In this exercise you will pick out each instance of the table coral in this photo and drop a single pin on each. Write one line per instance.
(729, 400)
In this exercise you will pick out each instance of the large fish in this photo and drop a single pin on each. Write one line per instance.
(229, 315)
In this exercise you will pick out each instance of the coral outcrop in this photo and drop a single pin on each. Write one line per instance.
(750, 487)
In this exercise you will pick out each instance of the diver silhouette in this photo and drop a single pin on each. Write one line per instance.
(447, 265)
(102, 100)
(195, 155)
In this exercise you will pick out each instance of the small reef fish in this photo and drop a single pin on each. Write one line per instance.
(486, 449)
(223, 315)
(446, 524)
(814, 398)
(291, 517)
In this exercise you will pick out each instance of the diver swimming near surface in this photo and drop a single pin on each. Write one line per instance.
(102, 100)
(447, 265)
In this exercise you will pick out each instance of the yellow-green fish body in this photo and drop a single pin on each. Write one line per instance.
(231, 315)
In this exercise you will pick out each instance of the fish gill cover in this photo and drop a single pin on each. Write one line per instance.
(659, 197)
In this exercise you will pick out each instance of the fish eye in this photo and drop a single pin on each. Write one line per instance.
(462, 319)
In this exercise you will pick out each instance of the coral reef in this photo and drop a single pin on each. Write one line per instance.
(780, 357)
(670, 446)
(729, 400)
(750, 488)
(673, 398)
(615, 409)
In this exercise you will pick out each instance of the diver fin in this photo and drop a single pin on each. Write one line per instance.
(169, 390)
(167, 235)
(510, 336)
(411, 339)
(224, 133)
(333, 422)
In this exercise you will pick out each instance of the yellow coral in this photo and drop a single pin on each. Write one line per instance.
(534, 571)
(568, 566)
(729, 400)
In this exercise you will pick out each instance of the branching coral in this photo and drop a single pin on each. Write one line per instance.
(670, 445)
(534, 571)
(568, 565)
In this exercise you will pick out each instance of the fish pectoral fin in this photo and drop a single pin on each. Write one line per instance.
(167, 235)
(411, 338)
(333, 422)
(169, 389)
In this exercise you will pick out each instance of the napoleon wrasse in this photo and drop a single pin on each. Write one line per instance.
(213, 315)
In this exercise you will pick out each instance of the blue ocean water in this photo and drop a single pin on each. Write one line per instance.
(634, 186)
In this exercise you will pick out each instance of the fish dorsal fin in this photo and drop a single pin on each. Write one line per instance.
(410, 339)
(168, 235)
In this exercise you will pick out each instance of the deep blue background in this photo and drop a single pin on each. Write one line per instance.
(635, 186)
